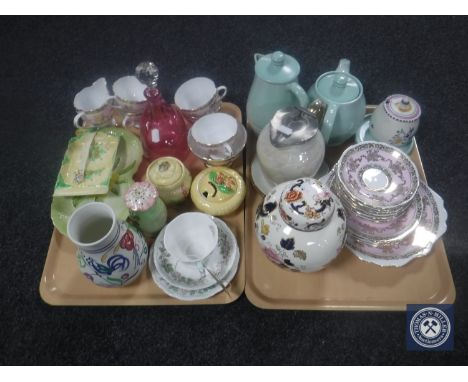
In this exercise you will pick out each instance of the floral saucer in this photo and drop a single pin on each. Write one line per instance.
(191, 295)
(389, 230)
(363, 134)
(193, 276)
(419, 242)
(377, 175)
(264, 184)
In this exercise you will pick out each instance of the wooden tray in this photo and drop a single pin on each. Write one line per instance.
(347, 283)
(63, 284)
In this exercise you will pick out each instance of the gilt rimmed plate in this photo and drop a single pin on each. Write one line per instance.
(378, 175)
(193, 276)
(418, 243)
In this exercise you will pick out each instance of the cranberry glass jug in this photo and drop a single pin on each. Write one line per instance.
(163, 131)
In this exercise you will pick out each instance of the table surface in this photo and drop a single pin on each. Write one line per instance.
(46, 61)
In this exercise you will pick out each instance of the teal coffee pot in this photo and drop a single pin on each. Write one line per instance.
(274, 87)
(341, 97)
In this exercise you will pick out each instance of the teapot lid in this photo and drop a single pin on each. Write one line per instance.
(338, 86)
(401, 107)
(306, 204)
(277, 67)
(291, 126)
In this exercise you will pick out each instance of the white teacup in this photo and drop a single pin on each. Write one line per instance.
(214, 129)
(93, 105)
(395, 120)
(191, 236)
(199, 96)
(130, 100)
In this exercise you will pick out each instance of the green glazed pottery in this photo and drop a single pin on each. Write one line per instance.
(274, 87)
(343, 95)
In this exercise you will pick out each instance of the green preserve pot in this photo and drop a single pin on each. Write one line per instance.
(147, 211)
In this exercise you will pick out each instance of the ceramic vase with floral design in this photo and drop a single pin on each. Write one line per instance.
(110, 253)
(301, 225)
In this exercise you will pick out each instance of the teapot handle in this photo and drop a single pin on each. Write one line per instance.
(344, 66)
(299, 93)
(329, 121)
(257, 56)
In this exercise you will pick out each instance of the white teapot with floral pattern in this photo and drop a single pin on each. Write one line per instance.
(301, 225)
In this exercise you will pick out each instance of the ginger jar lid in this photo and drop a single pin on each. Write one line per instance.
(306, 204)
(165, 172)
(141, 196)
(276, 67)
(402, 107)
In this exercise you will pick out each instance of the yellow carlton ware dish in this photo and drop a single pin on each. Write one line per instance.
(171, 178)
(218, 191)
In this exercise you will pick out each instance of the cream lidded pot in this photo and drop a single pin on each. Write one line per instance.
(396, 120)
(291, 146)
(301, 225)
(171, 178)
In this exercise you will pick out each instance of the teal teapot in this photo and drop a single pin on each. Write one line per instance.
(341, 97)
(274, 87)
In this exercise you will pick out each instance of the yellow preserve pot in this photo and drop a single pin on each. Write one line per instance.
(218, 191)
(171, 178)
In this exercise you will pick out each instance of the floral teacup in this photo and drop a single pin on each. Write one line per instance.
(93, 105)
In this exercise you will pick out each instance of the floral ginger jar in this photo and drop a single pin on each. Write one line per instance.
(111, 253)
(301, 225)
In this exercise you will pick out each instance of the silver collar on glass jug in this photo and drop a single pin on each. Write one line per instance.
(293, 126)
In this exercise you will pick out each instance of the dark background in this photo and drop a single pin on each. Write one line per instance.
(45, 61)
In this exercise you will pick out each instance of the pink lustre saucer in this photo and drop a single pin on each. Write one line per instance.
(419, 242)
(377, 175)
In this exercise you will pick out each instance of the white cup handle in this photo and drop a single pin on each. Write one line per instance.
(125, 120)
(221, 91)
(76, 120)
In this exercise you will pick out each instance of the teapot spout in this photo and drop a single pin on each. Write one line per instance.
(344, 65)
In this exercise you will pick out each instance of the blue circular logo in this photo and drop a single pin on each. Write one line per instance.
(430, 327)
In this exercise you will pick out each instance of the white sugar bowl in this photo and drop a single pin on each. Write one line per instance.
(301, 224)
(396, 120)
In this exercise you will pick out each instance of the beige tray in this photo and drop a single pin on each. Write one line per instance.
(347, 283)
(63, 284)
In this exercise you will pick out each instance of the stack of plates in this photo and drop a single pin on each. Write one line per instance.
(392, 218)
(191, 281)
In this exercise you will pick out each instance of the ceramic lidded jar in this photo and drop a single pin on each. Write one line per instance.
(218, 191)
(396, 120)
(301, 224)
(275, 86)
(111, 253)
(291, 146)
(171, 178)
(147, 211)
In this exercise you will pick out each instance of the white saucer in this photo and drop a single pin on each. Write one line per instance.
(191, 295)
(264, 184)
(364, 135)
